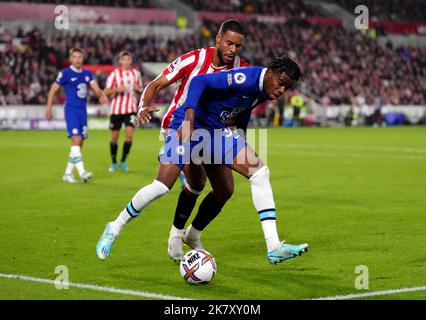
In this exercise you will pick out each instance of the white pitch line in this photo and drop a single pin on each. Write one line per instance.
(94, 287)
(168, 297)
(372, 294)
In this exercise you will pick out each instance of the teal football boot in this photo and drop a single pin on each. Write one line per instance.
(104, 245)
(124, 166)
(287, 251)
(113, 167)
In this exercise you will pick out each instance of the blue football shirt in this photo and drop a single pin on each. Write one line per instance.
(76, 84)
(219, 96)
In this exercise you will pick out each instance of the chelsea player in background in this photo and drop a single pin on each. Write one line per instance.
(75, 81)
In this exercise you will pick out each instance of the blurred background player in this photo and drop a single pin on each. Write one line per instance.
(299, 110)
(224, 56)
(75, 81)
(123, 84)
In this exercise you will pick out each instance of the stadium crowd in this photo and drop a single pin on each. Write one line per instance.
(338, 65)
(27, 70)
(283, 8)
(394, 10)
(383, 10)
(105, 3)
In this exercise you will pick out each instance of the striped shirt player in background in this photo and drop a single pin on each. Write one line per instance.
(75, 81)
(123, 84)
(224, 56)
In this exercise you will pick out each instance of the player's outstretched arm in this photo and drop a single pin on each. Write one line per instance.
(150, 92)
(52, 92)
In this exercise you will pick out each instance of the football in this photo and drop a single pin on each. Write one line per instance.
(198, 267)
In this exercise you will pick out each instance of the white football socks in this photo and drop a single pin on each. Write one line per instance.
(271, 235)
(175, 233)
(141, 199)
(193, 233)
(122, 219)
(70, 167)
(77, 159)
(263, 200)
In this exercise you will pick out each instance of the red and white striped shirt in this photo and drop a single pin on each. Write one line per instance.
(126, 102)
(187, 66)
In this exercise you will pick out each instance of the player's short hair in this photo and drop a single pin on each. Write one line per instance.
(287, 65)
(75, 49)
(232, 25)
(124, 53)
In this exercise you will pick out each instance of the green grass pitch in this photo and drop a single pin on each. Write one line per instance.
(357, 196)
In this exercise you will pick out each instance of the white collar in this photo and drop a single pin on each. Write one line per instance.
(262, 75)
(218, 68)
(75, 69)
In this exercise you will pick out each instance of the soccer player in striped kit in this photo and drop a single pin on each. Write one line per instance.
(222, 57)
(123, 84)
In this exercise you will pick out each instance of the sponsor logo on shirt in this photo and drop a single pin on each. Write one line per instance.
(239, 78)
(226, 114)
(229, 79)
(174, 64)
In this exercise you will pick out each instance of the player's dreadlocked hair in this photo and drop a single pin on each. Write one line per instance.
(232, 25)
(287, 65)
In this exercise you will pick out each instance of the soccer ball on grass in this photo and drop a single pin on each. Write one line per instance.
(198, 267)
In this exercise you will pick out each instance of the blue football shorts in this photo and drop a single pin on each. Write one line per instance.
(210, 146)
(76, 120)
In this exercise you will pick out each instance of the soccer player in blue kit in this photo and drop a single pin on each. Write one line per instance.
(199, 133)
(75, 81)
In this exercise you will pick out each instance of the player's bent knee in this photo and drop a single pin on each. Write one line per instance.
(196, 187)
(194, 190)
(224, 193)
(156, 189)
(260, 175)
(228, 190)
(161, 187)
(148, 194)
(75, 151)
